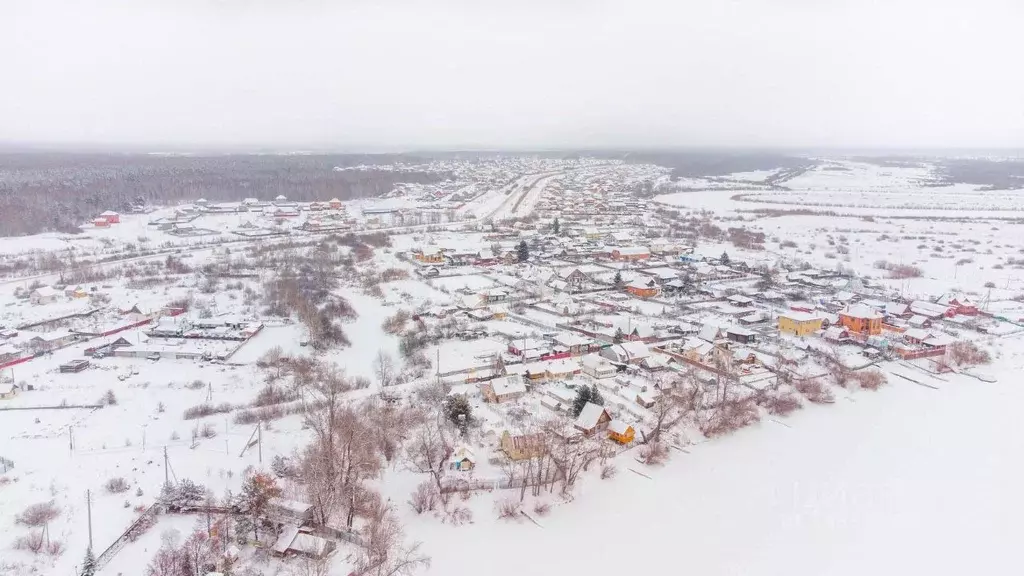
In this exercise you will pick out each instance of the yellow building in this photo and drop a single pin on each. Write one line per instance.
(799, 323)
(621, 432)
(429, 255)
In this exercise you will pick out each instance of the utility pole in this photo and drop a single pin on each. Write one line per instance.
(167, 469)
(259, 441)
(71, 440)
(88, 508)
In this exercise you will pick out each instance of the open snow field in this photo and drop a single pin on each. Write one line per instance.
(906, 481)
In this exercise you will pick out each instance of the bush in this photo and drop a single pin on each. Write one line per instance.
(870, 379)
(109, 399)
(814, 391)
(206, 409)
(508, 508)
(779, 403)
(38, 514)
(541, 508)
(424, 498)
(116, 485)
(903, 271)
(729, 417)
(608, 471)
(653, 453)
(33, 542)
(459, 515)
(968, 353)
(208, 430)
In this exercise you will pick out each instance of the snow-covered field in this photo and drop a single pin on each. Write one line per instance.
(909, 479)
(906, 481)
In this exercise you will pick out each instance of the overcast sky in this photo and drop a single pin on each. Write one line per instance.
(399, 74)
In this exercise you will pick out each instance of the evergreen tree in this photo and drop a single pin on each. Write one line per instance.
(523, 251)
(555, 227)
(88, 564)
(618, 279)
(619, 336)
(585, 395)
(458, 411)
(725, 258)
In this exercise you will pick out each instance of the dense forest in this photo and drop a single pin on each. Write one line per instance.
(42, 192)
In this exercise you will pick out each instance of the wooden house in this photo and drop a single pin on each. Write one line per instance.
(522, 446)
(592, 418)
(741, 335)
(631, 253)
(111, 217)
(503, 388)
(296, 541)
(620, 431)
(626, 352)
(429, 255)
(799, 323)
(598, 367)
(43, 295)
(642, 287)
(861, 319)
(8, 353)
(462, 460)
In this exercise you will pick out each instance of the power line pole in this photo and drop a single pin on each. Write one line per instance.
(167, 469)
(259, 441)
(88, 507)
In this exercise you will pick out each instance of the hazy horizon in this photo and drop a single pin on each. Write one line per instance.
(392, 76)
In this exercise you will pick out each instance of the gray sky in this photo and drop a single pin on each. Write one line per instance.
(531, 73)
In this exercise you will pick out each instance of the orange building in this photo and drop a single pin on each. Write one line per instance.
(631, 253)
(643, 288)
(859, 318)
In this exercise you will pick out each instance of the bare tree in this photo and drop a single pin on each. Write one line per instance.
(570, 456)
(384, 368)
(429, 450)
(385, 552)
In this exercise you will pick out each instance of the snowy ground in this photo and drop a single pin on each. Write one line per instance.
(909, 480)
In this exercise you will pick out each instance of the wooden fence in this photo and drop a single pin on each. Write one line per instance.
(112, 550)
(6, 465)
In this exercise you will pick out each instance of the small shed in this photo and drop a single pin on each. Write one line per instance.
(463, 459)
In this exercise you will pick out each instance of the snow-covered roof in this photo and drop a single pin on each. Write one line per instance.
(917, 334)
(53, 336)
(463, 453)
(861, 311)
(708, 332)
(632, 350)
(590, 416)
(45, 291)
(895, 309)
(511, 384)
(633, 250)
(618, 426)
